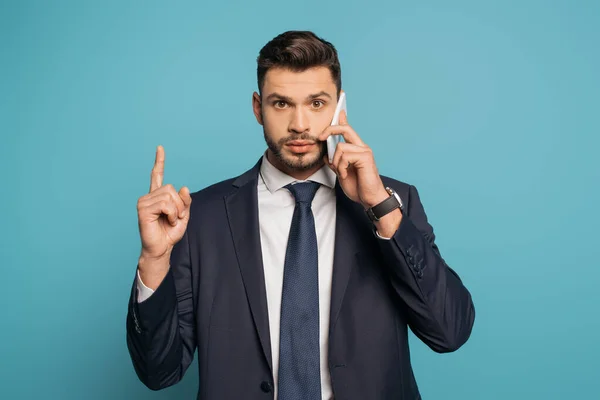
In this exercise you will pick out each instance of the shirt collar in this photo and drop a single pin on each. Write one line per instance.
(275, 179)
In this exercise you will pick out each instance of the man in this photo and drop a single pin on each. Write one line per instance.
(299, 278)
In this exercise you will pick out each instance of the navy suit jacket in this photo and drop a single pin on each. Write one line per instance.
(213, 301)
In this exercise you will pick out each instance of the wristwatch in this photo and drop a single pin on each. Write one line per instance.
(376, 212)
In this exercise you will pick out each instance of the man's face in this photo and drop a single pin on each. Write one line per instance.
(295, 107)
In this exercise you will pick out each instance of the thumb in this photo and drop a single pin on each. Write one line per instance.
(184, 193)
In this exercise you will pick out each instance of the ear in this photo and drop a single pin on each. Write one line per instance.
(257, 107)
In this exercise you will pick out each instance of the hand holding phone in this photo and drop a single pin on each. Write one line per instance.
(333, 140)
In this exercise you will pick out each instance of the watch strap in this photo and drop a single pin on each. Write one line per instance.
(388, 205)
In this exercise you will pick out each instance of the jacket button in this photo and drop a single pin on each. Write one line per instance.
(266, 387)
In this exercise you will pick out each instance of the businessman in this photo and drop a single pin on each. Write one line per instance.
(299, 279)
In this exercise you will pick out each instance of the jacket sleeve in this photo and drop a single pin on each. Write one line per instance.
(439, 307)
(161, 335)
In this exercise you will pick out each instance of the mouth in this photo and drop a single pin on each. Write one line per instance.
(300, 146)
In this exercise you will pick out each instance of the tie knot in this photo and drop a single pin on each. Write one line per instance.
(304, 192)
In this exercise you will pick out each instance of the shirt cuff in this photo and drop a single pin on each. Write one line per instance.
(379, 236)
(144, 292)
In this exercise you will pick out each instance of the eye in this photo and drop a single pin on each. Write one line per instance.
(317, 104)
(280, 104)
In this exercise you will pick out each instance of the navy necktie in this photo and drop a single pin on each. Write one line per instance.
(299, 361)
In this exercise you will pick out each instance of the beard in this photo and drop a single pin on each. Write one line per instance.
(296, 162)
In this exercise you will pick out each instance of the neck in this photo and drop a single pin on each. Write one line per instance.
(296, 174)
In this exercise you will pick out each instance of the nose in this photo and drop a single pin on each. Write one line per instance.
(299, 122)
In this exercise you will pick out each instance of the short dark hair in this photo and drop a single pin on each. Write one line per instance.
(298, 51)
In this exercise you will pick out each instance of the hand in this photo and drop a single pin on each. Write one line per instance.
(163, 215)
(354, 164)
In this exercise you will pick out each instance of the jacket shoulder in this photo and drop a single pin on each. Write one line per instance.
(398, 186)
(407, 191)
(217, 191)
(213, 192)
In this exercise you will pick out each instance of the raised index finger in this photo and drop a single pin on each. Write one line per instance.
(156, 178)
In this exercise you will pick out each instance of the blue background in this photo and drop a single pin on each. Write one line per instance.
(490, 108)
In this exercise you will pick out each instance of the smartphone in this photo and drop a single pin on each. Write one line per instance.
(333, 140)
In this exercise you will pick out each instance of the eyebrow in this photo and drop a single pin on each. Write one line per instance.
(289, 99)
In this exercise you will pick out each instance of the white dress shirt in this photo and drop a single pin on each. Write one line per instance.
(275, 210)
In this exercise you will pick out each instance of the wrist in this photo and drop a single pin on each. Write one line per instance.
(389, 224)
(152, 270)
(378, 198)
(386, 213)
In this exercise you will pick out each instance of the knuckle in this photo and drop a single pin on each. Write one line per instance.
(166, 197)
(142, 201)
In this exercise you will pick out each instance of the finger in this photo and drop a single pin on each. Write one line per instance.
(329, 164)
(343, 118)
(350, 136)
(167, 193)
(156, 178)
(341, 149)
(342, 168)
(346, 161)
(177, 199)
(349, 158)
(165, 196)
(166, 207)
(184, 194)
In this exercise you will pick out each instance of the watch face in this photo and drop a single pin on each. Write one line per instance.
(392, 192)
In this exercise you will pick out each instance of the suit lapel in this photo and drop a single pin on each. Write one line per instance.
(347, 245)
(242, 213)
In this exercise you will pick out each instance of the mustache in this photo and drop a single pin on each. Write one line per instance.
(304, 136)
